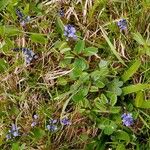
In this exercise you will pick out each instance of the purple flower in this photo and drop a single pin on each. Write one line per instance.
(19, 14)
(53, 121)
(70, 32)
(22, 18)
(35, 116)
(127, 119)
(65, 121)
(14, 132)
(8, 136)
(29, 55)
(51, 127)
(122, 24)
(33, 124)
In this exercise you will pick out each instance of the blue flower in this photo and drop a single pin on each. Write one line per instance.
(29, 55)
(8, 136)
(22, 18)
(65, 121)
(33, 124)
(127, 119)
(51, 127)
(122, 24)
(19, 14)
(14, 132)
(35, 121)
(70, 32)
(53, 121)
(35, 116)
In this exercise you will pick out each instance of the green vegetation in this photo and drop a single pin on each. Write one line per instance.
(75, 74)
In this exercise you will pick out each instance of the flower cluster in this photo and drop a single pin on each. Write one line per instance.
(65, 121)
(70, 32)
(52, 125)
(28, 54)
(34, 123)
(127, 119)
(14, 132)
(122, 24)
(22, 18)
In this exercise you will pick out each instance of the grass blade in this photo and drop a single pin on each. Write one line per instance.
(139, 99)
(112, 47)
(134, 88)
(127, 74)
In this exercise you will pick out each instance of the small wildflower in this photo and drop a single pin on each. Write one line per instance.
(122, 24)
(35, 121)
(35, 116)
(51, 127)
(65, 121)
(127, 119)
(22, 18)
(8, 136)
(19, 14)
(28, 54)
(70, 32)
(33, 124)
(14, 132)
(53, 121)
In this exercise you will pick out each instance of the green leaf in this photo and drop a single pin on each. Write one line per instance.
(120, 147)
(139, 99)
(99, 84)
(3, 65)
(80, 63)
(3, 4)
(114, 86)
(110, 128)
(127, 74)
(122, 135)
(79, 47)
(15, 146)
(103, 99)
(107, 125)
(38, 38)
(134, 88)
(76, 73)
(115, 109)
(38, 133)
(59, 25)
(61, 81)
(138, 37)
(9, 31)
(79, 96)
(84, 77)
(89, 51)
(93, 89)
(112, 97)
(145, 104)
(103, 64)
(112, 48)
